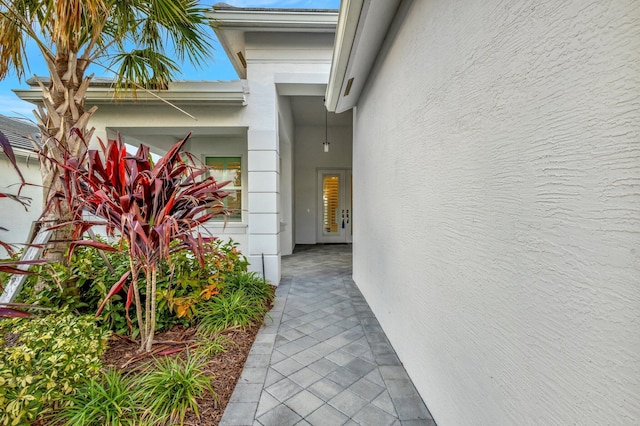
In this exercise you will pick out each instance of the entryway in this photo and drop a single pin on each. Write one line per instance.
(335, 206)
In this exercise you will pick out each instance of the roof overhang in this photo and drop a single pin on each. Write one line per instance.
(231, 23)
(362, 29)
(210, 93)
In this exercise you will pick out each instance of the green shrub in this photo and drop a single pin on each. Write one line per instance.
(105, 400)
(170, 387)
(251, 283)
(209, 346)
(183, 285)
(44, 358)
(232, 309)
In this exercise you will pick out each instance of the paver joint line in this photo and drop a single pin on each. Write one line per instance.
(324, 359)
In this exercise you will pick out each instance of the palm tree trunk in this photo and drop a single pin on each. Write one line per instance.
(63, 111)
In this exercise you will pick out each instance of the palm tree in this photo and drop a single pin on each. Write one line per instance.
(135, 38)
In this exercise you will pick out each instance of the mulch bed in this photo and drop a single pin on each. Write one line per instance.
(224, 368)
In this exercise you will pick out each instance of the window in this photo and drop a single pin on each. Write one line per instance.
(228, 169)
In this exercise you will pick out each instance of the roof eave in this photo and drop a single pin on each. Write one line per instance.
(230, 20)
(105, 95)
(362, 28)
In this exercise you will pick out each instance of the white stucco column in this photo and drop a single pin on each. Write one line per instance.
(264, 198)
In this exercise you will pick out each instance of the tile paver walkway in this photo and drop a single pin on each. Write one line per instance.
(322, 358)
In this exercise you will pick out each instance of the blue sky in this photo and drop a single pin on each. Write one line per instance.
(219, 69)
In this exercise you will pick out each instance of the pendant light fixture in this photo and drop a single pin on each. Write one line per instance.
(325, 144)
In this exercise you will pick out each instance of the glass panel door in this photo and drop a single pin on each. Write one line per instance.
(331, 204)
(334, 206)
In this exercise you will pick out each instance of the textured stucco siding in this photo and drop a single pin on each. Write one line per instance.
(497, 202)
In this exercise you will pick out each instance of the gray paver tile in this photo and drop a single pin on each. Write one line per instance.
(366, 389)
(290, 348)
(306, 357)
(393, 373)
(322, 349)
(411, 408)
(340, 358)
(373, 416)
(327, 415)
(280, 416)
(277, 356)
(284, 389)
(360, 366)
(324, 366)
(246, 392)
(238, 414)
(272, 377)
(304, 403)
(326, 389)
(305, 377)
(388, 359)
(355, 349)
(427, 422)
(267, 402)
(384, 402)
(347, 402)
(253, 375)
(257, 361)
(398, 388)
(344, 377)
(375, 377)
(287, 366)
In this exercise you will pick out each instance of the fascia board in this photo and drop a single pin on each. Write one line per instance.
(348, 20)
(232, 51)
(274, 20)
(359, 46)
(101, 96)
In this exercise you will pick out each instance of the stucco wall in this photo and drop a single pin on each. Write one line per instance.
(285, 139)
(497, 197)
(13, 216)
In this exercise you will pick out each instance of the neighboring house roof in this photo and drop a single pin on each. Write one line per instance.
(18, 130)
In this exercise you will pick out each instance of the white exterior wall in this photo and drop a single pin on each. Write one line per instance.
(286, 141)
(497, 202)
(13, 216)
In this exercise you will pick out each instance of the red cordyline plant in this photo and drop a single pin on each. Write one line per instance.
(155, 208)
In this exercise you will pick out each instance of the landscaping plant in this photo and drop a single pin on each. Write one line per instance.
(107, 399)
(155, 208)
(170, 387)
(232, 309)
(42, 359)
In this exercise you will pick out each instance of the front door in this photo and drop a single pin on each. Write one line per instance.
(334, 206)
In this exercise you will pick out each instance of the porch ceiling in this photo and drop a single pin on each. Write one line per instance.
(310, 110)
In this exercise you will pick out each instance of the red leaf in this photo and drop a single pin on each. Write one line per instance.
(13, 313)
(172, 351)
(114, 289)
(129, 297)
